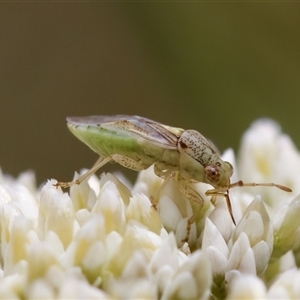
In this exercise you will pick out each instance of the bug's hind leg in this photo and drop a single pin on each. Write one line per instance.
(98, 164)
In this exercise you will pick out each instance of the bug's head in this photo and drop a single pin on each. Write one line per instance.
(218, 174)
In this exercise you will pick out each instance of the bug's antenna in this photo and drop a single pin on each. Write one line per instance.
(224, 191)
(253, 184)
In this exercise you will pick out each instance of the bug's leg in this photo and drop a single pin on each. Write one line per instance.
(128, 162)
(166, 175)
(214, 193)
(99, 163)
(226, 195)
(190, 221)
(213, 200)
(195, 197)
(191, 194)
(184, 189)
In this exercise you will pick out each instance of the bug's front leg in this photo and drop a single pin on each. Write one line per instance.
(193, 196)
(225, 194)
(163, 173)
(184, 188)
(98, 164)
(190, 193)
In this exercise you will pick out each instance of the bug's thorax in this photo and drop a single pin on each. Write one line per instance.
(200, 161)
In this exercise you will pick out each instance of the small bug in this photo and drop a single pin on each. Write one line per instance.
(137, 143)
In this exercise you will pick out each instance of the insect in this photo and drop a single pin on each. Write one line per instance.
(137, 143)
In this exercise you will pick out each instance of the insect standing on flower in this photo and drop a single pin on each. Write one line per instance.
(137, 143)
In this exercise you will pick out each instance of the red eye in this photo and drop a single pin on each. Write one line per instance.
(213, 172)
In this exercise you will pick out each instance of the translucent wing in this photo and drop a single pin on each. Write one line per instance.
(138, 127)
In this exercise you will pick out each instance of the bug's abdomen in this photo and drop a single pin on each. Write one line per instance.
(106, 142)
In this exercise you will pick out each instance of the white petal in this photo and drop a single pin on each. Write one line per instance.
(95, 256)
(82, 195)
(217, 260)
(169, 213)
(141, 209)
(136, 266)
(287, 234)
(212, 237)
(111, 206)
(166, 254)
(262, 253)
(4, 195)
(74, 288)
(121, 184)
(183, 286)
(241, 256)
(56, 213)
(286, 285)
(246, 287)
(182, 233)
(192, 280)
(255, 223)
(40, 289)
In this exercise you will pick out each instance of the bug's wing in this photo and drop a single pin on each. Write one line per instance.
(138, 127)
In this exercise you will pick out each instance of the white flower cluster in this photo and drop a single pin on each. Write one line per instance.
(105, 240)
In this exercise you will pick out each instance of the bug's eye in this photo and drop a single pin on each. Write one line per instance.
(212, 173)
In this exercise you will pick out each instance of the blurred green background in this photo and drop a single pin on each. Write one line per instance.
(210, 66)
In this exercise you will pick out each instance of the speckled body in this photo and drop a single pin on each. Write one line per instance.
(148, 142)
